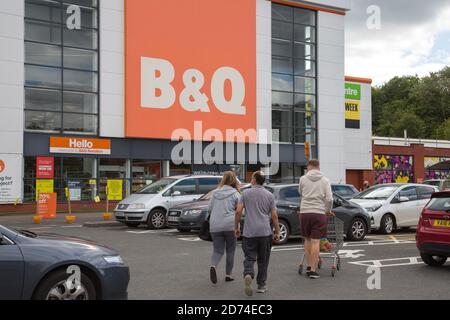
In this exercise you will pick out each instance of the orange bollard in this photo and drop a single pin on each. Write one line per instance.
(70, 219)
(107, 216)
(37, 219)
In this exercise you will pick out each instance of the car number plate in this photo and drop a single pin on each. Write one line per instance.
(120, 214)
(173, 219)
(442, 223)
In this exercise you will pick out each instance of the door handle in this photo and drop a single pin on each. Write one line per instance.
(294, 207)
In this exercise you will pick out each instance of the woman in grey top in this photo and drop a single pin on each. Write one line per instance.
(222, 209)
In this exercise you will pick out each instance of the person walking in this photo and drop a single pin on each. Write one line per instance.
(366, 185)
(316, 204)
(222, 208)
(260, 210)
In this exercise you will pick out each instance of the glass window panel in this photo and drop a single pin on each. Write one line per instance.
(305, 68)
(80, 102)
(282, 134)
(144, 172)
(88, 3)
(304, 16)
(80, 80)
(186, 187)
(282, 99)
(78, 168)
(42, 54)
(88, 16)
(280, 12)
(282, 82)
(304, 120)
(84, 38)
(304, 51)
(42, 77)
(40, 99)
(42, 32)
(80, 123)
(46, 121)
(305, 102)
(305, 85)
(43, 10)
(282, 65)
(281, 30)
(304, 33)
(302, 135)
(80, 59)
(282, 48)
(281, 118)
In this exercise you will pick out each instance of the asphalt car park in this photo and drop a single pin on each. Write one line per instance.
(168, 264)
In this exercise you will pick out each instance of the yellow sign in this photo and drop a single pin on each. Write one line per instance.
(352, 114)
(92, 182)
(97, 199)
(44, 186)
(114, 190)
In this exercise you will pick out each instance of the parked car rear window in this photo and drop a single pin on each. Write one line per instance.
(439, 204)
(426, 192)
(207, 184)
(290, 194)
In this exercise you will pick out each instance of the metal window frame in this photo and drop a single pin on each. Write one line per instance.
(62, 69)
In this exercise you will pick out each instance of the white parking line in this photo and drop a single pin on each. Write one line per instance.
(151, 231)
(349, 244)
(74, 226)
(396, 262)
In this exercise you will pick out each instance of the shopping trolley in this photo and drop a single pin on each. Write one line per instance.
(335, 235)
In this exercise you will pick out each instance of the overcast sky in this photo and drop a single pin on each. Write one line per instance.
(414, 38)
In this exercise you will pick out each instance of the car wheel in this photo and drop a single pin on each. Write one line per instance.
(56, 287)
(387, 225)
(357, 230)
(284, 233)
(433, 261)
(184, 229)
(157, 219)
(132, 224)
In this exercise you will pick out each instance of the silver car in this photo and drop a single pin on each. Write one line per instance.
(151, 204)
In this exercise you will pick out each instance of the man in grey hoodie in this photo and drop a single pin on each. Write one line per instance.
(316, 204)
(222, 208)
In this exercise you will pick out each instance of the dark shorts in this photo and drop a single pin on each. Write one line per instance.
(313, 225)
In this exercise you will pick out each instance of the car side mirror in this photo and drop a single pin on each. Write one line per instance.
(176, 193)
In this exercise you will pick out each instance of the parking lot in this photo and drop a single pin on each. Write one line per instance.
(166, 264)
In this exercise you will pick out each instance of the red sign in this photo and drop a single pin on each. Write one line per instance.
(46, 206)
(44, 167)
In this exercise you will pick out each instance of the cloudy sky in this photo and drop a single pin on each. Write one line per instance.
(414, 38)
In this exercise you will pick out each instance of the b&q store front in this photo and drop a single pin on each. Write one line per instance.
(95, 91)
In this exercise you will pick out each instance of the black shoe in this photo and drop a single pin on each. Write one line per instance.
(213, 275)
(314, 275)
(229, 279)
(308, 271)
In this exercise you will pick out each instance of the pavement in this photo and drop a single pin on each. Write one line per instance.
(167, 264)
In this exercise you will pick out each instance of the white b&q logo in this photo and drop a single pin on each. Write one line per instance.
(74, 280)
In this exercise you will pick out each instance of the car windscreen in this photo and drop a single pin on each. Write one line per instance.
(207, 196)
(436, 183)
(439, 204)
(156, 187)
(377, 193)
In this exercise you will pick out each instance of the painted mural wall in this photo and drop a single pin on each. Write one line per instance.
(435, 174)
(393, 169)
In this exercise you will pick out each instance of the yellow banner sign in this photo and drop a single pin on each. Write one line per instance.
(352, 114)
(114, 190)
(44, 186)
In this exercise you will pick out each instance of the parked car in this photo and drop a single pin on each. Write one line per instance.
(433, 231)
(442, 184)
(346, 191)
(150, 204)
(190, 216)
(392, 206)
(35, 267)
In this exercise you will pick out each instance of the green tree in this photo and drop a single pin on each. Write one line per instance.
(443, 131)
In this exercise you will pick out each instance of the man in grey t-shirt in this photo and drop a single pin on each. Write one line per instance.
(260, 210)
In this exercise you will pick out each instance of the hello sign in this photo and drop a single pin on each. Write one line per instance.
(189, 60)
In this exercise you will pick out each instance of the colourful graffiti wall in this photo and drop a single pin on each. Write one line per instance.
(435, 174)
(389, 169)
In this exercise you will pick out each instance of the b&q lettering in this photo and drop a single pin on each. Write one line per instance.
(157, 91)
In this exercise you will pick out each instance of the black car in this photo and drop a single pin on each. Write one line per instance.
(356, 220)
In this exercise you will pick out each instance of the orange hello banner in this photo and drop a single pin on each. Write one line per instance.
(80, 145)
(187, 61)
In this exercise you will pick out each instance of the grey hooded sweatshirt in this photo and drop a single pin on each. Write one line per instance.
(316, 193)
(222, 208)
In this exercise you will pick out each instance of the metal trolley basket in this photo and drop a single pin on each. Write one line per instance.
(335, 235)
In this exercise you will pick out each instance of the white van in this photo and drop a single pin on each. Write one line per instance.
(394, 205)
(151, 204)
